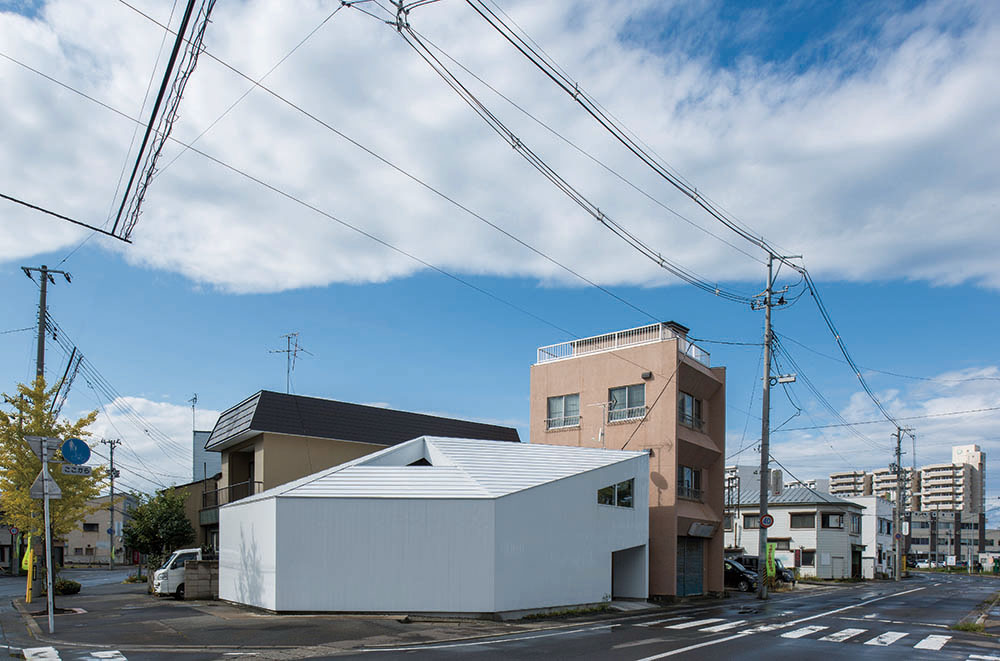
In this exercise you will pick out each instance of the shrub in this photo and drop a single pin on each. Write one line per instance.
(63, 586)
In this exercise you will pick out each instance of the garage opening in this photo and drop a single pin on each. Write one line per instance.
(628, 573)
(690, 566)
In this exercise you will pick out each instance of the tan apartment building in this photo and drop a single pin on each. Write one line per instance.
(884, 485)
(90, 541)
(648, 388)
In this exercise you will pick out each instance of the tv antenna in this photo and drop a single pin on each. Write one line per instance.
(291, 351)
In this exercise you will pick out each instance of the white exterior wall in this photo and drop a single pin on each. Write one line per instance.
(554, 542)
(247, 559)
(832, 545)
(875, 508)
(385, 555)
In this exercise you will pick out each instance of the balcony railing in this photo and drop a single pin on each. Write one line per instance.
(692, 421)
(688, 493)
(230, 494)
(633, 413)
(560, 423)
(632, 337)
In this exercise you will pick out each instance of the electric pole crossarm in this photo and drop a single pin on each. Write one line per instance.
(45, 277)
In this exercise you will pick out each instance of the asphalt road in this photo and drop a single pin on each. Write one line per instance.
(909, 620)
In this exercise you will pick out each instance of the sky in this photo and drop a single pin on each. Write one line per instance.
(362, 204)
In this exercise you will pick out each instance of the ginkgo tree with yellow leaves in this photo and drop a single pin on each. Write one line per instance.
(30, 414)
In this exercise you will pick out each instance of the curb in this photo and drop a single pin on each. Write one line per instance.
(29, 621)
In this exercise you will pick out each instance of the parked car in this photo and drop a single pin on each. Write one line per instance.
(169, 578)
(739, 577)
(781, 573)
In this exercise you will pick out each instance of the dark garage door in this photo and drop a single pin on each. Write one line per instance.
(690, 565)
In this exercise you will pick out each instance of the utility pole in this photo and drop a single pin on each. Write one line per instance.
(45, 274)
(897, 536)
(111, 502)
(765, 425)
(765, 433)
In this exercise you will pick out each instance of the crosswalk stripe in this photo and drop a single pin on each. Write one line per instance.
(983, 657)
(886, 639)
(841, 636)
(696, 623)
(669, 619)
(804, 631)
(40, 653)
(932, 643)
(115, 655)
(722, 627)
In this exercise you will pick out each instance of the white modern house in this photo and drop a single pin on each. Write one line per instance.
(813, 531)
(878, 557)
(444, 525)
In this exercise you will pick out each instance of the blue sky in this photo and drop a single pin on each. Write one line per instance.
(858, 138)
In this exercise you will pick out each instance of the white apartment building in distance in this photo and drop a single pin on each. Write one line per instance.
(884, 485)
(850, 483)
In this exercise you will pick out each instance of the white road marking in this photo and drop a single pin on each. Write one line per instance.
(722, 627)
(646, 641)
(886, 639)
(40, 653)
(841, 636)
(763, 628)
(694, 647)
(493, 641)
(804, 631)
(696, 623)
(982, 657)
(669, 619)
(109, 654)
(871, 616)
(932, 643)
(844, 608)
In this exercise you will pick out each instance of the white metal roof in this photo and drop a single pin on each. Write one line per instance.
(461, 468)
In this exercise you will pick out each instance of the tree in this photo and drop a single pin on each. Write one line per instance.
(159, 525)
(31, 415)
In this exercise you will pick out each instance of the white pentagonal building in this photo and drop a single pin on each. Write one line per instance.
(445, 525)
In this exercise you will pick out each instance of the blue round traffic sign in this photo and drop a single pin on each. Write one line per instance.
(75, 451)
(766, 521)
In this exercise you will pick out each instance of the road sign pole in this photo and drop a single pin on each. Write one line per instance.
(48, 536)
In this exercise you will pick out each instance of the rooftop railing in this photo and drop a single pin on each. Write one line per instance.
(632, 337)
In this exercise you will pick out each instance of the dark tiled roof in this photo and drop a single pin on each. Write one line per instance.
(792, 495)
(282, 413)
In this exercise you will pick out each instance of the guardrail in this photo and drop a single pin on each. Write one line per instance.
(230, 494)
(631, 337)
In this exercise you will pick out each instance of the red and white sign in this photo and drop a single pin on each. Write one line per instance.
(766, 521)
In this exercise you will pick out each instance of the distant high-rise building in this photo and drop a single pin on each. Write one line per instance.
(851, 483)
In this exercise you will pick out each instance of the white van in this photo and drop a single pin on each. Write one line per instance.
(169, 579)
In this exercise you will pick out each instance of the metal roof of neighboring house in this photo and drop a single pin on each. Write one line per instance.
(460, 468)
(298, 415)
(794, 496)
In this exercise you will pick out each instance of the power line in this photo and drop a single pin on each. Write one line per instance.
(35, 207)
(896, 374)
(325, 214)
(987, 409)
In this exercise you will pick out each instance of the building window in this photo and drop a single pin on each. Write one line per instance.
(78, 550)
(781, 544)
(727, 523)
(802, 520)
(689, 483)
(808, 558)
(90, 527)
(856, 524)
(88, 551)
(921, 524)
(689, 411)
(751, 521)
(626, 402)
(563, 411)
(833, 520)
(617, 495)
(920, 541)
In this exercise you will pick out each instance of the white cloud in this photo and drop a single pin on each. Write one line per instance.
(156, 449)
(877, 166)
